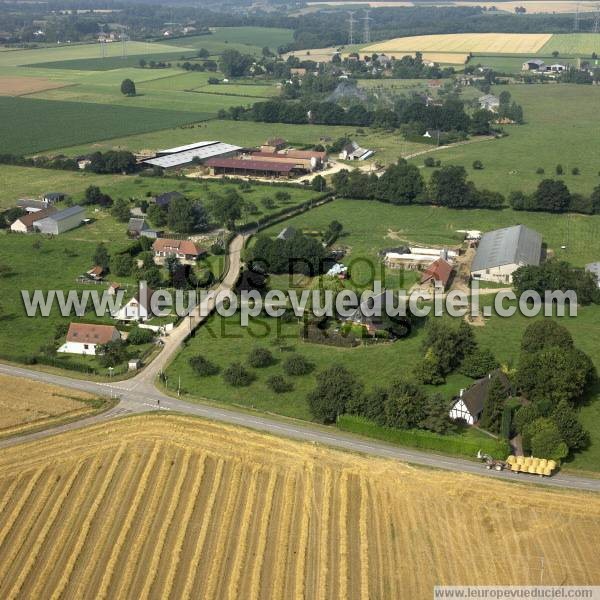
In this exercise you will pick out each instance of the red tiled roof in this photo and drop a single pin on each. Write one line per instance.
(85, 333)
(306, 154)
(180, 246)
(439, 270)
(250, 165)
(29, 219)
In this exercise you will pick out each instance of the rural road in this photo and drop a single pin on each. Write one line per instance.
(138, 395)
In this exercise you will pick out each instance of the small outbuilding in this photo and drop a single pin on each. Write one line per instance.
(534, 64)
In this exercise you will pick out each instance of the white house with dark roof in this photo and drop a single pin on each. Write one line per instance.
(594, 269)
(137, 308)
(502, 251)
(84, 338)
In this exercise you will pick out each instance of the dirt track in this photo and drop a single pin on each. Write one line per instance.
(157, 507)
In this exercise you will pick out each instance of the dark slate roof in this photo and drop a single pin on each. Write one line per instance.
(287, 233)
(137, 225)
(511, 245)
(166, 198)
(66, 213)
(474, 398)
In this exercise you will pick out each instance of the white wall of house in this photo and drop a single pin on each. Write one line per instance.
(501, 274)
(460, 411)
(78, 348)
(18, 227)
(132, 311)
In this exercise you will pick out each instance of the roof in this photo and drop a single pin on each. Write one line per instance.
(65, 214)
(305, 154)
(511, 245)
(208, 150)
(287, 233)
(96, 271)
(29, 219)
(489, 99)
(186, 147)
(144, 298)
(137, 224)
(535, 61)
(439, 270)
(181, 246)
(250, 165)
(54, 196)
(474, 398)
(165, 198)
(29, 203)
(85, 333)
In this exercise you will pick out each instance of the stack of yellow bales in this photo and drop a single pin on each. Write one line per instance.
(530, 464)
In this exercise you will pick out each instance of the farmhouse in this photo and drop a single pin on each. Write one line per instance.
(469, 404)
(287, 233)
(184, 250)
(166, 198)
(489, 102)
(61, 221)
(84, 338)
(25, 223)
(352, 151)
(437, 274)
(138, 227)
(250, 168)
(274, 144)
(198, 152)
(137, 308)
(503, 251)
(535, 64)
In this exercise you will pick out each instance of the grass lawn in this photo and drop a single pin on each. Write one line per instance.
(551, 135)
(37, 125)
(579, 44)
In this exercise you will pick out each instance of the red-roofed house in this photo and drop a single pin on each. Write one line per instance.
(437, 274)
(184, 250)
(84, 338)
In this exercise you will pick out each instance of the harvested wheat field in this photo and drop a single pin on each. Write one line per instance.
(26, 405)
(19, 86)
(495, 43)
(158, 507)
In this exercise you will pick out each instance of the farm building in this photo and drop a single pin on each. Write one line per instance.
(166, 198)
(437, 274)
(61, 221)
(249, 168)
(557, 68)
(489, 102)
(415, 257)
(25, 223)
(185, 155)
(503, 251)
(96, 273)
(84, 338)
(287, 233)
(469, 404)
(535, 64)
(52, 197)
(137, 308)
(31, 205)
(594, 269)
(304, 161)
(274, 144)
(138, 227)
(184, 250)
(352, 151)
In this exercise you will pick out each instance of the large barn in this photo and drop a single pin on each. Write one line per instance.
(502, 251)
(181, 156)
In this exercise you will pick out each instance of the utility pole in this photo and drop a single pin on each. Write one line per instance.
(351, 40)
(367, 28)
(103, 48)
(124, 45)
(596, 26)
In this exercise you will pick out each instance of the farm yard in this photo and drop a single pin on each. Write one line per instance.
(29, 405)
(199, 516)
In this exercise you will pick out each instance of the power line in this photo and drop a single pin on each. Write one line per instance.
(576, 21)
(367, 29)
(124, 39)
(596, 26)
(351, 37)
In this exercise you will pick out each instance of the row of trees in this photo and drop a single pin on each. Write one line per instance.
(402, 183)
(553, 195)
(557, 275)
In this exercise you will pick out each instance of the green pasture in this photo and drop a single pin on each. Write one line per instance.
(560, 125)
(34, 125)
(244, 39)
(577, 44)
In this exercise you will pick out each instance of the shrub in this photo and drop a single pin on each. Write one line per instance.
(478, 363)
(429, 161)
(260, 358)
(477, 165)
(279, 384)
(540, 171)
(140, 336)
(202, 366)
(237, 375)
(297, 365)
(575, 171)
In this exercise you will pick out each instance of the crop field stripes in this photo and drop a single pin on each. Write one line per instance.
(131, 513)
